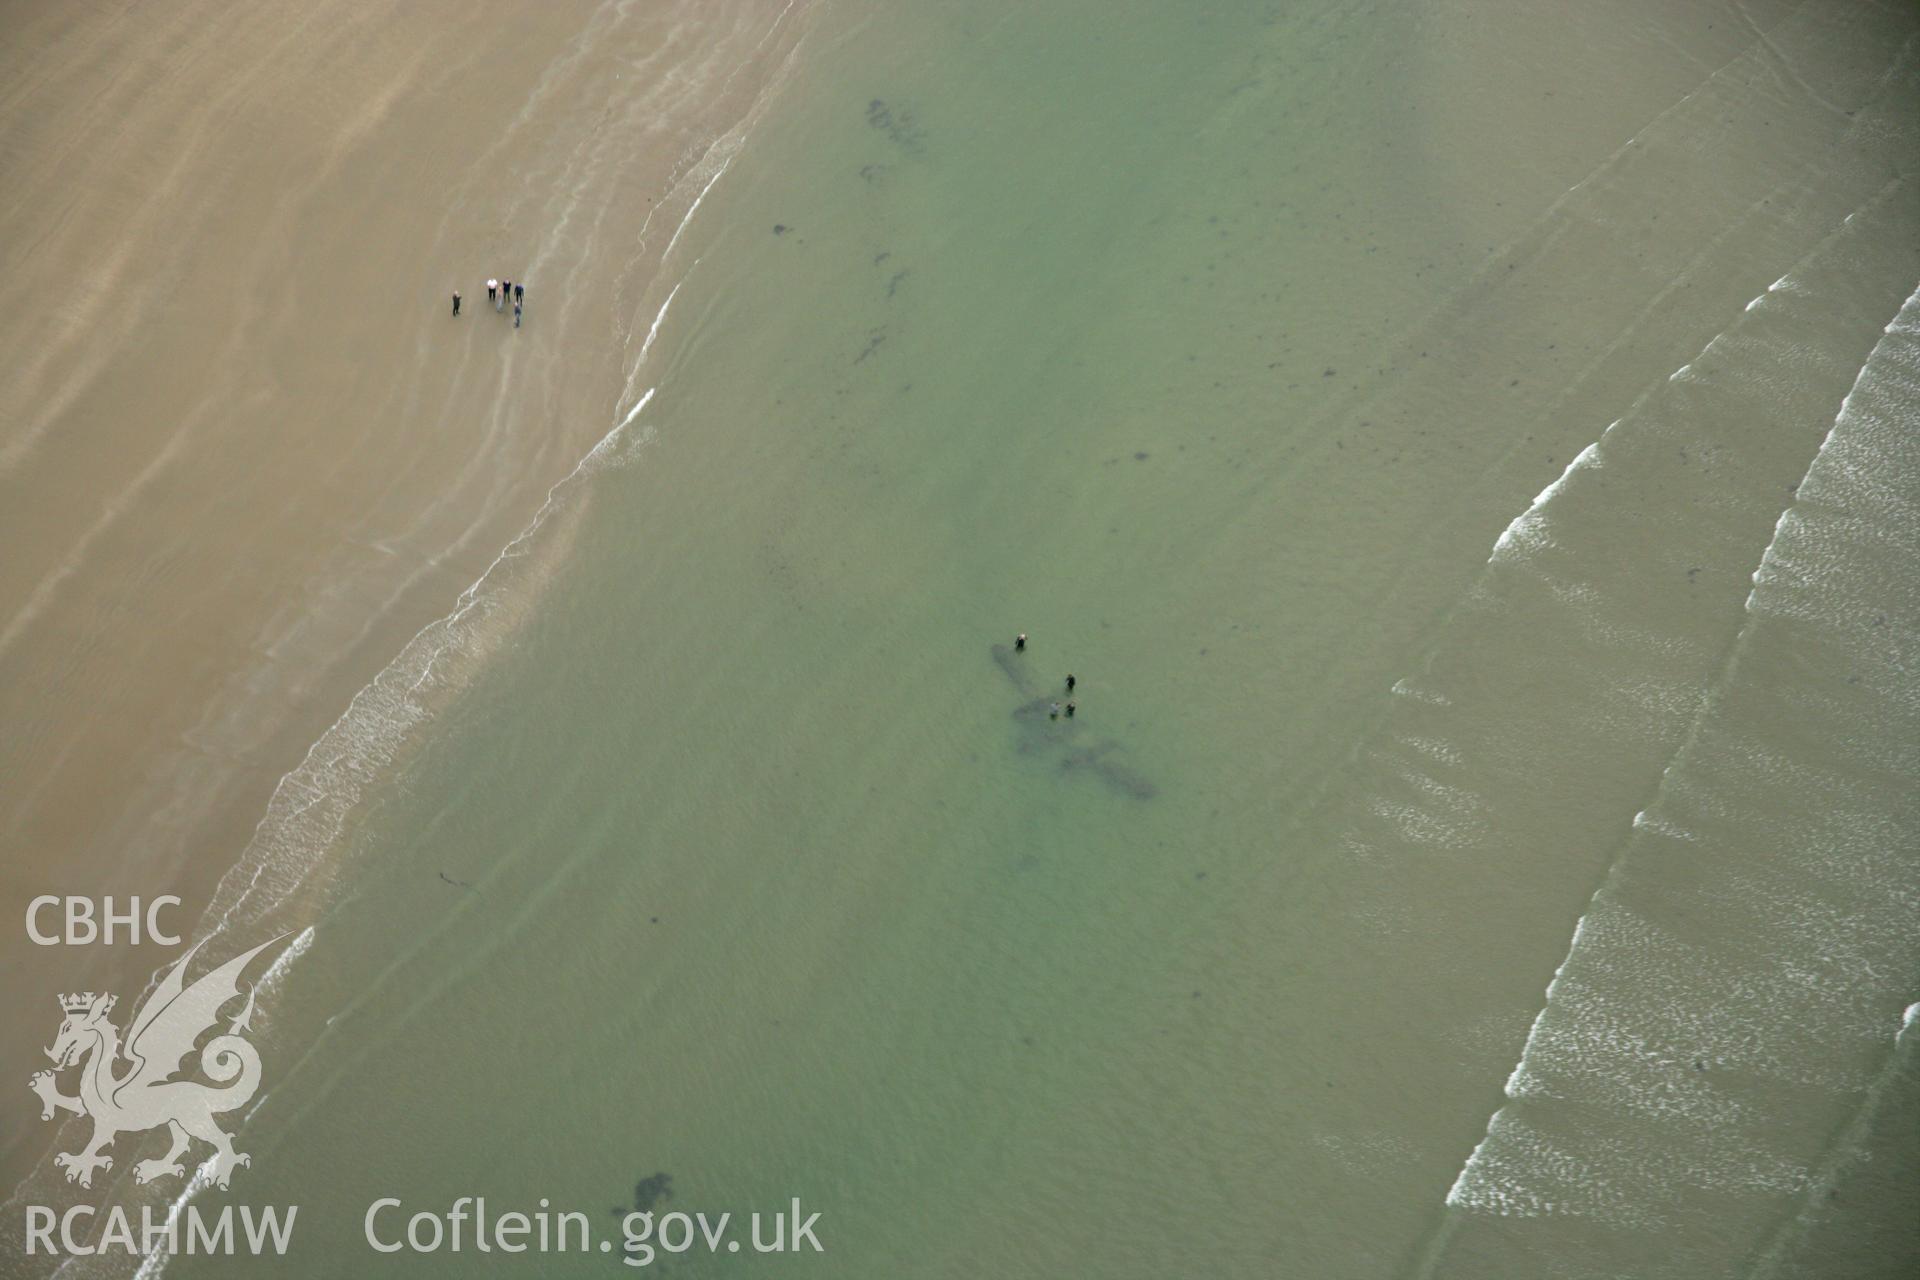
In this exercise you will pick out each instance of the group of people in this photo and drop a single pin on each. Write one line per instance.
(500, 293)
(1054, 710)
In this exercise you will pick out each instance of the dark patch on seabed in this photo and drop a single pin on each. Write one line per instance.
(1068, 737)
(647, 1192)
(897, 123)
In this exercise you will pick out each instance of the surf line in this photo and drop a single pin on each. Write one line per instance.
(1459, 1197)
(154, 1264)
(695, 206)
(646, 345)
(367, 728)
(370, 731)
(321, 759)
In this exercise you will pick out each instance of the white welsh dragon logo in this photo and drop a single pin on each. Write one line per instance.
(144, 1096)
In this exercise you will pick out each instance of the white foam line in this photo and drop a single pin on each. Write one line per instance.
(1531, 516)
(471, 595)
(586, 166)
(283, 963)
(653, 331)
(1511, 1087)
(635, 411)
(1846, 405)
(306, 775)
(1779, 526)
(1455, 1192)
(695, 207)
(730, 142)
(362, 701)
(154, 1263)
(1583, 458)
(678, 176)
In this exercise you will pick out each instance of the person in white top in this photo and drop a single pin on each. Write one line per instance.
(493, 288)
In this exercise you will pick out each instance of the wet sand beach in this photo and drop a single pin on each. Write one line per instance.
(245, 451)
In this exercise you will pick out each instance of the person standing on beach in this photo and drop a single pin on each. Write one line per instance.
(516, 315)
(519, 293)
(493, 287)
(506, 291)
(456, 302)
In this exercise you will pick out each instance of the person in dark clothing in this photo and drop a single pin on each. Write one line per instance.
(1020, 643)
(1069, 711)
(519, 293)
(1069, 682)
(516, 315)
(456, 302)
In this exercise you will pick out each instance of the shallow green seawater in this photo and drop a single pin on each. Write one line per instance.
(1156, 332)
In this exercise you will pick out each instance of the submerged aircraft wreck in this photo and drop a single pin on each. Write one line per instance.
(1069, 738)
